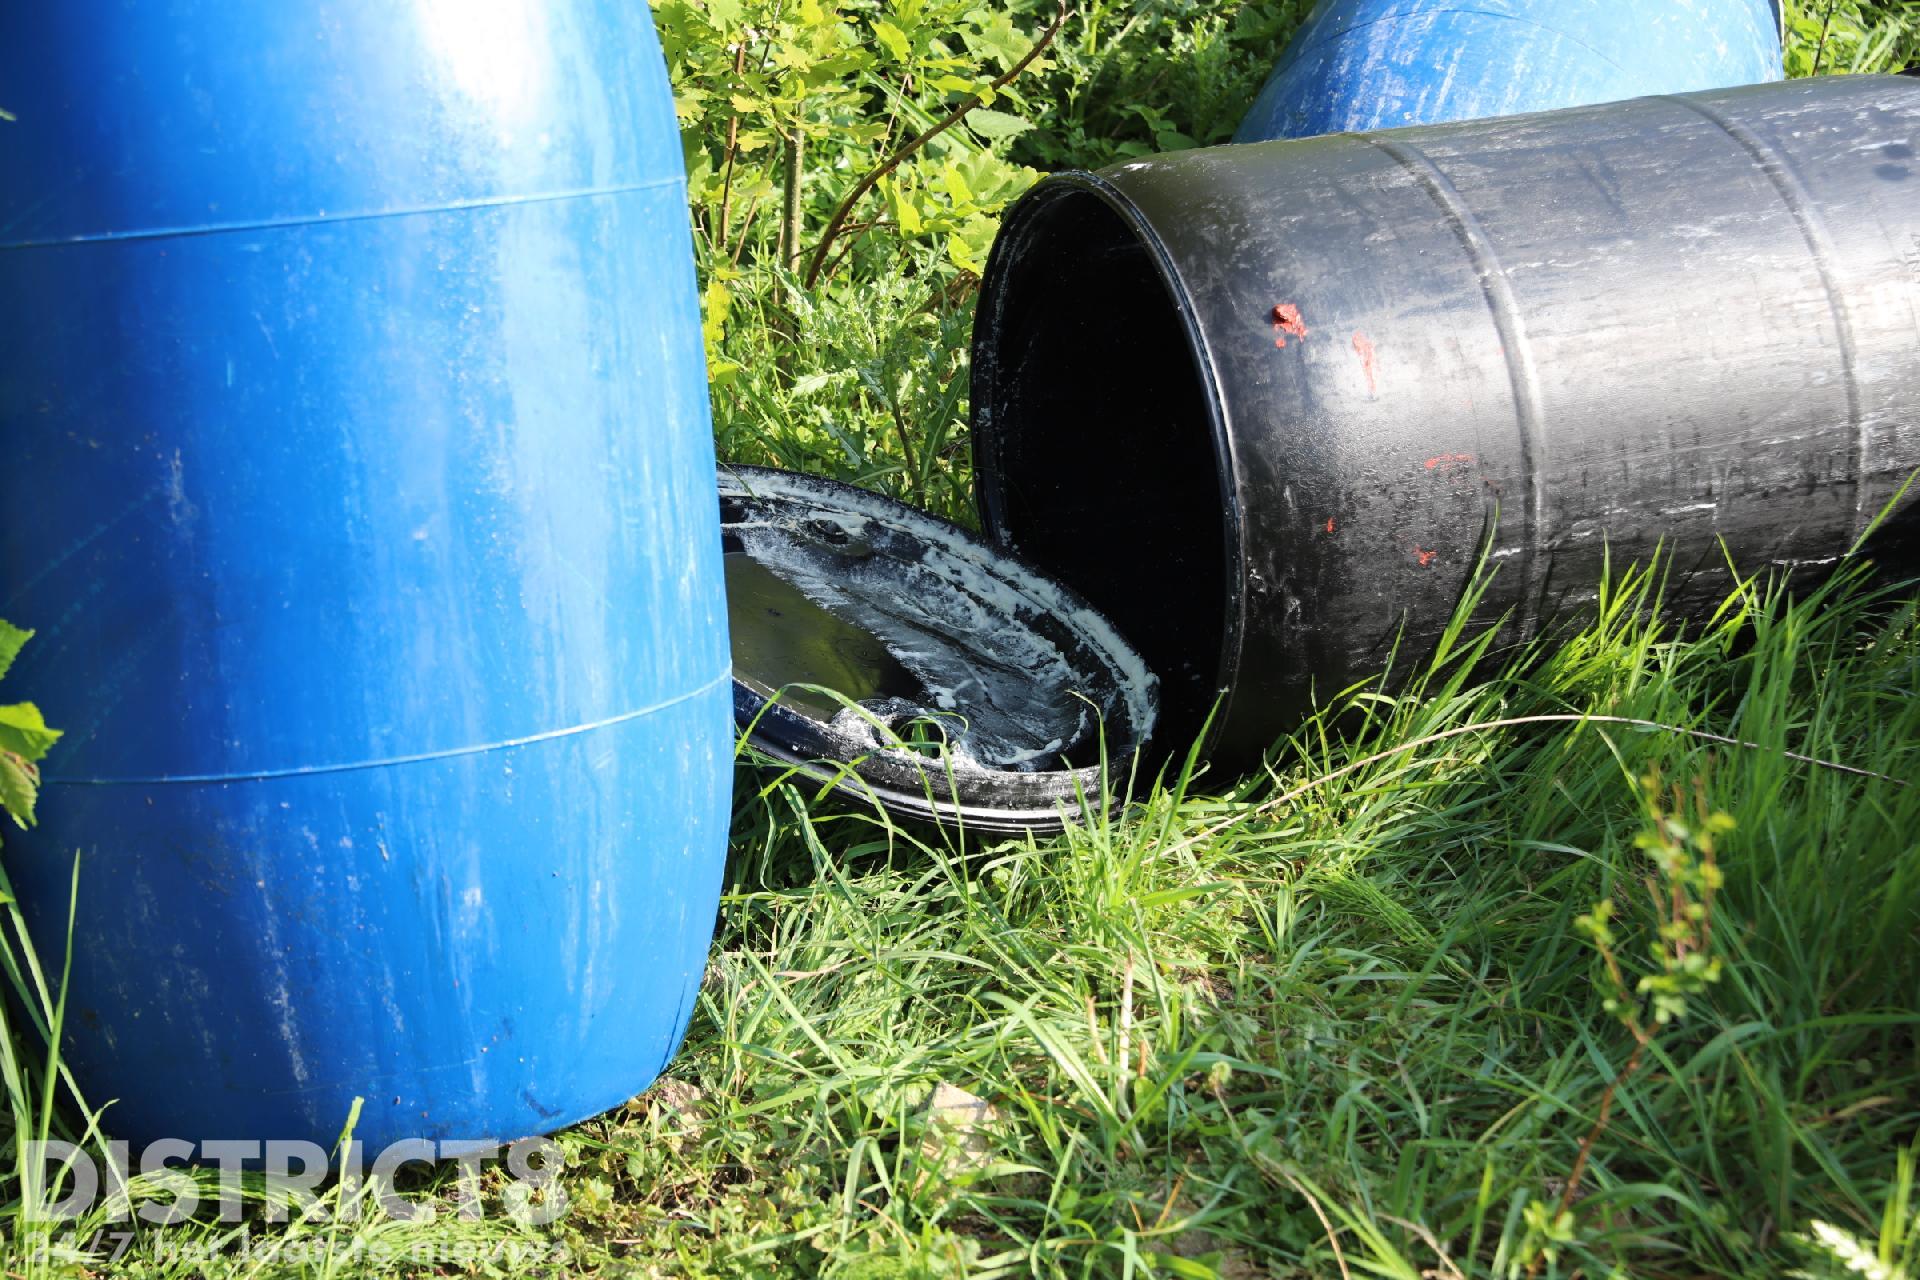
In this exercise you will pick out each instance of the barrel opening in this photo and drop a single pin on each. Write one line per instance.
(1099, 443)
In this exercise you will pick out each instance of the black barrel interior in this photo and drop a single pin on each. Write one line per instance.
(1098, 444)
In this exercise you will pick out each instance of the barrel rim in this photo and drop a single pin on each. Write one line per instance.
(1017, 224)
(942, 790)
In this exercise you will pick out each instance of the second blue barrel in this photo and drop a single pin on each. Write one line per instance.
(1360, 65)
(356, 473)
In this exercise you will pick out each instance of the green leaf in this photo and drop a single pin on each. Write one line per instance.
(12, 640)
(894, 39)
(716, 306)
(724, 14)
(956, 186)
(24, 733)
(792, 57)
(906, 214)
(19, 787)
(967, 248)
(993, 181)
(996, 125)
(997, 39)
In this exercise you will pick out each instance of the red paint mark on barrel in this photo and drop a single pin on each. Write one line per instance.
(1450, 463)
(1363, 347)
(1286, 320)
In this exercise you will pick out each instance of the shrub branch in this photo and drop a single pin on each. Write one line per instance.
(892, 162)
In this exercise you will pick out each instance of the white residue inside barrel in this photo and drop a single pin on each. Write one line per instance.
(1007, 696)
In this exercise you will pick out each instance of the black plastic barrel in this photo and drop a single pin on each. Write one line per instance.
(1265, 406)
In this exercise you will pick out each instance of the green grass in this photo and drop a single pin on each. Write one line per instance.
(1207, 1025)
(1341, 1017)
(1200, 1020)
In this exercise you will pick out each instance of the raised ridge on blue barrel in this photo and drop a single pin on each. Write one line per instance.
(1360, 65)
(358, 480)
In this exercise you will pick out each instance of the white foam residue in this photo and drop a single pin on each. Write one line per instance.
(961, 622)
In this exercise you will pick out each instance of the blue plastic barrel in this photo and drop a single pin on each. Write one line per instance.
(1358, 65)
(356, 472)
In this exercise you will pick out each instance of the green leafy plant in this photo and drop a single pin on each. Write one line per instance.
(25, 738)
(1679, 841)
(848, 165)
(1851, 37)
(791, 109)
(29, 1051)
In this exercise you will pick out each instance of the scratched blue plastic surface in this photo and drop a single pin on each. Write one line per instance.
(1359, 65)
(356, 473)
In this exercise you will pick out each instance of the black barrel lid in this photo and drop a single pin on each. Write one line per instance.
(902, 659)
